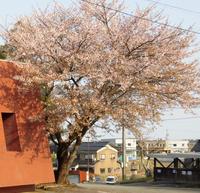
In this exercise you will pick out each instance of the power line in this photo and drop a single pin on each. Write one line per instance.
(181, 108)
(159, 23)
(173, 6)
(181, 118)
(142, 18)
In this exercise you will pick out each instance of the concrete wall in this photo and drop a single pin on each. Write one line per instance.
(31, 163)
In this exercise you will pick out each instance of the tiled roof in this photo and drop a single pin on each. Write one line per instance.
(196, 147)
(92, 146)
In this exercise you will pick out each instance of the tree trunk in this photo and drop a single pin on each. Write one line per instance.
(62, 157)
(63, 172)
(66, 156)
(65, 159)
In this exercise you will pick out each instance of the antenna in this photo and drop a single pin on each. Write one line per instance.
(167, 135)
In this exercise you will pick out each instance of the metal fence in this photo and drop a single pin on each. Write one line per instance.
(179, 175)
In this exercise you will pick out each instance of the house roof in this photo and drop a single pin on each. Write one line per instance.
(92, 146)
(196, 147)
(174, 155)
(85, 146)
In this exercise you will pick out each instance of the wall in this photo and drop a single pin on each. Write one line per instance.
(82, 175)
(155, 146)
(17, 189)
(178, 146)
(130, 143)
(31, 164)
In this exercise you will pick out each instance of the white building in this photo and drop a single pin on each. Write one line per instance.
(177, 146)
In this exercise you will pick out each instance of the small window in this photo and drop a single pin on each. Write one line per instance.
(183, 145)
(102, 170)
(129, 144)
(102, 157)
(109, 170)
(11, 132)
(174, 145)
(90, 156)
(112, 156)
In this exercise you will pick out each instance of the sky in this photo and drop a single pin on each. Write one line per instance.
(187, 128)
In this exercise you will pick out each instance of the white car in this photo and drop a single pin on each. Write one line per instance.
(111, 180)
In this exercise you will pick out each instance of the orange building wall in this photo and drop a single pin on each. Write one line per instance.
(32, 164)
(82, 175)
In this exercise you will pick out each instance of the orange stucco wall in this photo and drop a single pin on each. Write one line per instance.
(32, 164)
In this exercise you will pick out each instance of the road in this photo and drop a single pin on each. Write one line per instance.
(135, 188)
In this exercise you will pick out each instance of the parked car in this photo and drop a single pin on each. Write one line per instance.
(97, 179)
(111, 180)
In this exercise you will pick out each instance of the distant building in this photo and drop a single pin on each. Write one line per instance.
(161, 146)
(152, 146)
(131, 147)
(178, 146)
(99, 157)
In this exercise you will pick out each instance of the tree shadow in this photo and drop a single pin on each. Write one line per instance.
(26, 105)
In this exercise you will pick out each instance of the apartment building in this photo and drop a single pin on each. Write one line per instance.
(161, 146)
(152, 146)
(178, 146)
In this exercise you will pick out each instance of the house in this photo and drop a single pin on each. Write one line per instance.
(25, 157)
(131, 151)
(100, 158)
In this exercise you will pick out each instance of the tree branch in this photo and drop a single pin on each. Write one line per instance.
(52, 139)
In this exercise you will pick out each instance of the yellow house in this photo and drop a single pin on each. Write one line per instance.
(99, 158)
(107, 162)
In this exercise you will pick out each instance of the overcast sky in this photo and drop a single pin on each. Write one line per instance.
(10, 10)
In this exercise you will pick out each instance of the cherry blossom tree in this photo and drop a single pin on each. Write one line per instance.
(96, 66)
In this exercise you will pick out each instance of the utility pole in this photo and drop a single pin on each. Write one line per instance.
(88, 164)
(123, 153)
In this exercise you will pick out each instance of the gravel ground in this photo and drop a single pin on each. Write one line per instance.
(131, 188)
(67, 190)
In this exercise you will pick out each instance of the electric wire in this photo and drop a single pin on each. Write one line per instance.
(181, 118)
(143, 18)
(159, 23)
(174, 7)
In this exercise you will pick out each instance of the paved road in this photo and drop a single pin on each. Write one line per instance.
(136, 188)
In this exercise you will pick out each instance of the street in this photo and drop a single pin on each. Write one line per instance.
(135, 188)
